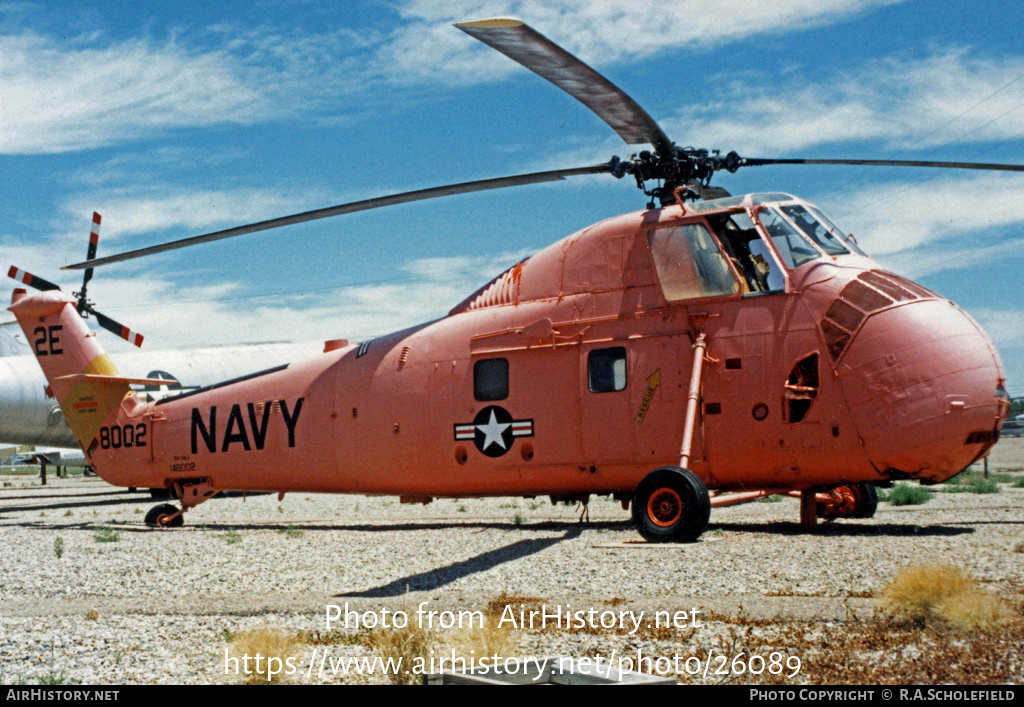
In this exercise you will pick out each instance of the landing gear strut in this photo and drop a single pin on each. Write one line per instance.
(671, 504)
(849, 501)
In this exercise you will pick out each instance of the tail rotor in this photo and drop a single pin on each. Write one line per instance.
(84, 306)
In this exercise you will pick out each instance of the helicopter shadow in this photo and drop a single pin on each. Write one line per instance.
(412, 526)
(85, 494)
(440, 576)
(844, 529)
(74, 504)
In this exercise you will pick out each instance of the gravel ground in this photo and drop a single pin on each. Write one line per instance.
(157, 606)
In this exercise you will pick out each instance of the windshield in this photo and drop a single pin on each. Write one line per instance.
(814, 230)
(793, 246)
(836, 231)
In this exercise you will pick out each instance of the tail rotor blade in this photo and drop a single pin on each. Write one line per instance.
(94, 239)
(27, 278)
(132, 337)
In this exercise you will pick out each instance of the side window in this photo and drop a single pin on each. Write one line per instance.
(606, 369)
(490, 379)
(689, 263)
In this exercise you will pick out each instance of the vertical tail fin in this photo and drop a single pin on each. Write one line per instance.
(66, 347)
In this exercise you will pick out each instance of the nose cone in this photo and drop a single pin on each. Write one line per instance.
(924, 384)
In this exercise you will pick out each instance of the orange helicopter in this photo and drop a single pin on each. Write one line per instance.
(738, 344)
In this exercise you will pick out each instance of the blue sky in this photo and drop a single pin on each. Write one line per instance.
(174, 119)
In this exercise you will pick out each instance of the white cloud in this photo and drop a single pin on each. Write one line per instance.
(223, 314)
(913, 217)
(189, 211)
(58, 99)
(60, 96)
(1004, 326)
(599, 33)
(917, 102)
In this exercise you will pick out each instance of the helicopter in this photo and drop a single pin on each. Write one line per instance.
(706, 351)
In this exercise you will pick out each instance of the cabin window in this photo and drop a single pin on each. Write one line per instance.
(793, 246)
(689, 263)
(490, 379)
(606, 369)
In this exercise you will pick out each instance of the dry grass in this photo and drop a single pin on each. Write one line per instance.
(492, 638)
(273, 646)
(405, 647)
(487, 640)
(926, 593)
(976, 610)
(875, 652)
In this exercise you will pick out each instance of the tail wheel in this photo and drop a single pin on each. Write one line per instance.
(671, 505)
(163, 516)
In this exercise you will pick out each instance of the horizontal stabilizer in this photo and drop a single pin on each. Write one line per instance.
(113, 379)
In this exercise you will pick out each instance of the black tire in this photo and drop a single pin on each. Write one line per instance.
(867, 501)
(156, 513)
(671, 505)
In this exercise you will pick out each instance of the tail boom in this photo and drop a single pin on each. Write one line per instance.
(69, 355)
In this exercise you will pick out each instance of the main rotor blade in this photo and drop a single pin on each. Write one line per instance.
(364, 205)
(757, 162)
(132, 337)
(520, 42)
(31, 280)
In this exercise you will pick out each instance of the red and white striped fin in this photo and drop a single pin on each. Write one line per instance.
(94, 237)
(31, 280)
(132, 337)
(90, 254)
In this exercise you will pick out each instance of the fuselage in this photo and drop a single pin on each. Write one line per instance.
(568, 375)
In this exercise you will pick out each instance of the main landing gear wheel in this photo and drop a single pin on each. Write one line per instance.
(671, 505)
(161, 517)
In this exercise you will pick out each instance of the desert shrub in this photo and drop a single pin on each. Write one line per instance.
(973, 484)
(104, 534)
(925, 593)
(905, 495)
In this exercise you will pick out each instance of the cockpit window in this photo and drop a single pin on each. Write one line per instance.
(689, 263)
(792, 245)
(815, 230)
(836, 231)
(749, 253)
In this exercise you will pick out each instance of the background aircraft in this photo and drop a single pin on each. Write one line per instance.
(29, 417)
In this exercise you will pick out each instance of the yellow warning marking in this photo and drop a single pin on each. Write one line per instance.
(653, 381)
(87, 403)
